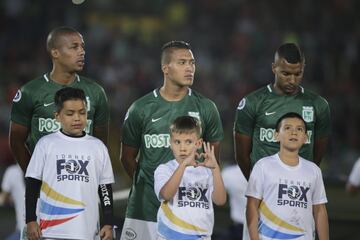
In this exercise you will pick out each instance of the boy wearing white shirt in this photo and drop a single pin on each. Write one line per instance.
(286, 194)
(186, 186)
(69, 169)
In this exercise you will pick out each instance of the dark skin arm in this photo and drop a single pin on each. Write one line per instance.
(320, 145)
(242, 146)
(102, 133)
(128, 159)
(17, 141)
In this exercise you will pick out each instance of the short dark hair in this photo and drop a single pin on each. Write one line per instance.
(186, 124)
(290, 52)
(68, 93)
(168, 47)
(53, 37)
(289, 115)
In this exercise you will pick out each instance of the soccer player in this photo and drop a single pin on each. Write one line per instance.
(69, 169)
(146, 132)
(187, 187)
(13, 188)
(286, 193)
(258, 112)
(32, 114)
(353, 183)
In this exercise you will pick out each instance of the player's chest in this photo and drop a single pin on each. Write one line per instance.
(269, 111)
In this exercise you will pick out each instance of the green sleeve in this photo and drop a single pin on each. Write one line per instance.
(245, 117)
(132, 127)
(102, 114)
(323, 123)
(213, 130)
(22, 108)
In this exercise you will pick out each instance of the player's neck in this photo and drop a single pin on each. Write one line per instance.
(280, 92)
(173, 93)
(290, 158)
(61, 77)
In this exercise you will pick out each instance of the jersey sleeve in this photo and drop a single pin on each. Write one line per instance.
(132, 127)
(245, 117)
(162, 175)
(322, 127)
(102, 111)
(319, 195)
(37, 161)
(22, 107)
(7, 180)
(106, 175)
(255, 187)
(212, 126)
(354, 177)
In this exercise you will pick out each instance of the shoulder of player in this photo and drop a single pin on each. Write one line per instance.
(201, 98)
(314, 96)
(147, 99)
(34, 84)
(90, 82)
(259, 94)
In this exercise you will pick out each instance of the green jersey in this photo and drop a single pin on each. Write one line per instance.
(257, 114)
(146, 127)
(33, 106)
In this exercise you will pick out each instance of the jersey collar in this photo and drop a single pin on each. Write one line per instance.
(270, 88)
(157, 94)
(47, 78)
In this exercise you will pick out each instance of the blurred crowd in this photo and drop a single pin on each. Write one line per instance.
(233, 42)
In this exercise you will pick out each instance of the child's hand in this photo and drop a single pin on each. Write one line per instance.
(106, 232)
(209, 157)
(190, 160)
(33, 230)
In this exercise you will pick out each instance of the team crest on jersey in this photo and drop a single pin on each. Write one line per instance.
(17, 96)
(242, 104)
(194, 115)
(308, 113)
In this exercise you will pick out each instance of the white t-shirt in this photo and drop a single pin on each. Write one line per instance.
(235, 184)
(288, 195)
(190, 213)
(354, 178)
(71, 169)
(13, 183)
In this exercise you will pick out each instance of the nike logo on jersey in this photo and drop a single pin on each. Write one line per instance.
(269, 113)
(48, 104)
(155, 120)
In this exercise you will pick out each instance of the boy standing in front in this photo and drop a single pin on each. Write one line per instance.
(187, 186)
(69, 169)
(286, 194)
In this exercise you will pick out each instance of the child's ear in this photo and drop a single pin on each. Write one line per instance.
(276, 136)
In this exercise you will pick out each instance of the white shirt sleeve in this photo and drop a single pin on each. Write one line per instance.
(319, 195)
(162, 175)
(107, 174)
(255, 187)
(7, 180)
(37, 161)
(354, 178)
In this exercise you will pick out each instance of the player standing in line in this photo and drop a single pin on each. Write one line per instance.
(32, 114)
(258, 112)
(146, 132)
(71, 168)
(286, 194)
(187, 188)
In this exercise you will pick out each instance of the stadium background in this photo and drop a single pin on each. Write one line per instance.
(233, 42)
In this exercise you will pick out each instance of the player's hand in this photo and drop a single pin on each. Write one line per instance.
(33, 230)
(106, 232)
(209, 156)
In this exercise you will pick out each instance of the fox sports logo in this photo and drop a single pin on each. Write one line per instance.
(72, 166)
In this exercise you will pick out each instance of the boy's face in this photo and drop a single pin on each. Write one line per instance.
(72, 117)
(292, 134)
(184, 145)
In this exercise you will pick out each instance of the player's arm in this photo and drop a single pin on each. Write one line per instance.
(32, 192)
(128, 158)
(320, 145)
(102, 133)
(321, 221)
(17, 141)
(252, 217)
(106, 202)
(242, 146)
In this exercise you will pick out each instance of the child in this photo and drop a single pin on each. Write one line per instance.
(187, 187)
(72, 169)
(285, 192)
